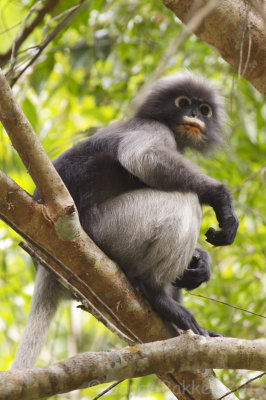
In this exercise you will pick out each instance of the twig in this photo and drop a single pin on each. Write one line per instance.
(107, 390)
(261, 172)
(28, 29)
(22, 24)
(246, 29)
(229, 305)
(9, 29)
(56, 17)
(241, 386)
(48, 39)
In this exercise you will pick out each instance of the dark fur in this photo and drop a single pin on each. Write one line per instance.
(197, 272)
(139, 199)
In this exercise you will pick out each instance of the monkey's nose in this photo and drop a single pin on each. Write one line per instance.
(194, 113)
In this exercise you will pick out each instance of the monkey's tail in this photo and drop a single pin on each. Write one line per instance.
(47, 294)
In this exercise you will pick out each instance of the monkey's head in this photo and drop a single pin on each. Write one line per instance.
(189, 106)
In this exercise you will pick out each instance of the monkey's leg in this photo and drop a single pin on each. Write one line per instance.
(47, 294)
(197, 272)
(170, 309)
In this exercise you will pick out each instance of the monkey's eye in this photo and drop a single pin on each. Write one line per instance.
(206, 110)
(182, 101)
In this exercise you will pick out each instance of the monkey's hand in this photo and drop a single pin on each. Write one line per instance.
(226, 235)
(225, 214)
(198, 271)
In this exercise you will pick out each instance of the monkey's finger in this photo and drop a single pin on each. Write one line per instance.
(202, 331)
(196, 328)
(193, 278)
(215, 334)
(187, 321)
(210, 235)
(229, 226)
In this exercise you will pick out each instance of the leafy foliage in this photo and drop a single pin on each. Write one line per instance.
(84, 79)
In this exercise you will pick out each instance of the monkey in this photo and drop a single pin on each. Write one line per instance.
(139, 198)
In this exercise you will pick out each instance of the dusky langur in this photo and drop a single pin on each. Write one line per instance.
(139, 198)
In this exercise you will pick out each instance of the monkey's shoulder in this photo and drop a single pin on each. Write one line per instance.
(94, 162)
(92, 173)
(108, 139)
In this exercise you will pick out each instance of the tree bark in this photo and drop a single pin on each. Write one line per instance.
(236, 28)
(187, 352)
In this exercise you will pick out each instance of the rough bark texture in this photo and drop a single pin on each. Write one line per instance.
(237, 29)
(186, 352)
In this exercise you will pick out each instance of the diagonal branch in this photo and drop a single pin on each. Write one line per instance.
(50, 186)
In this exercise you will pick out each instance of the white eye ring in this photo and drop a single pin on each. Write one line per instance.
(182, 101)
(205, 110)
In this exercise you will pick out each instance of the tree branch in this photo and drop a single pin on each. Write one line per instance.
(187, 352)
(240, 39)
(51, 188)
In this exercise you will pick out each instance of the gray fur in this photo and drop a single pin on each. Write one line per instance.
(150, 233)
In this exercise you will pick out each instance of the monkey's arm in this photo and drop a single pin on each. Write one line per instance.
(156, 162)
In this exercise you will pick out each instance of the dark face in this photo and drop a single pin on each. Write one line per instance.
(189, 109)
(191, 120)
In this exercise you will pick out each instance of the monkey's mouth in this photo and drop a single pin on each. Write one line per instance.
(192, 127)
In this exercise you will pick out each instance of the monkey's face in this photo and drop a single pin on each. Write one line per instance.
(192, 120)
(189, 107)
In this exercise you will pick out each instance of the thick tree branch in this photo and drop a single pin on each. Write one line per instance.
(187, 352)
(236, 29)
